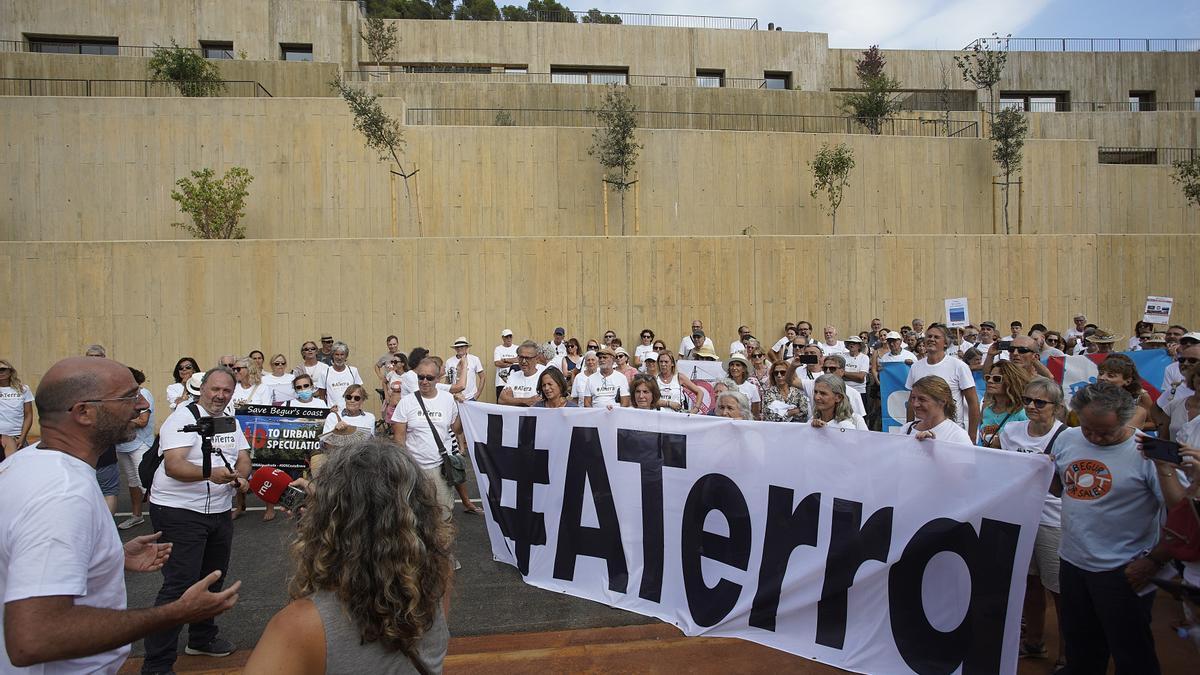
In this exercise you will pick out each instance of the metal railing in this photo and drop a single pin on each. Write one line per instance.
(476, 75)
(704, 121)
(1066, 44)
(597, 16)
(1147, 155)
(35, 86)
(82, 48)
(1123, 106)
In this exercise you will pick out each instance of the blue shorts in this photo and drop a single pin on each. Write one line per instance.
(109, 478)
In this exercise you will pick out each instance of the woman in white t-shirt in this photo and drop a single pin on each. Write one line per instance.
(1043, 400)
(933, 407)
(177, 392)
(249, 389)
(1182, 410)
(672, 384)
(279, 380)
(579, 386)
(831, 406)
(353, 417)
(16, 410)
(738, 370)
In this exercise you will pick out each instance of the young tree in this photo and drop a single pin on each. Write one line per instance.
(381, 132)
(983, 67)
(1008, 140)
(216, 206)
(191, 73)
(1187, 174)
(539, 10)
(613, 143)
(831, 174)
(596, 16)
(380, 36)
(878, 100)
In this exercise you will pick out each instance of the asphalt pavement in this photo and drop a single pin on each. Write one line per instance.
(488, 597)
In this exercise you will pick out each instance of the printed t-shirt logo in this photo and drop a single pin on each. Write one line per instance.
(1087, 479)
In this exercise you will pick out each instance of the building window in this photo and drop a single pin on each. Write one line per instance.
(1128, 156)
(1036, 101)
(710, 78)
(1141, 101)
(216, 50)
(777, 80)
(1196, 101)
(589, 75)
(296, 52)
(516, 70)
(88, 46)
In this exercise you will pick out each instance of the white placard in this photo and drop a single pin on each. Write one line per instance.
(702, 370)
(957, 315)
(818, 542)
(1158, 309)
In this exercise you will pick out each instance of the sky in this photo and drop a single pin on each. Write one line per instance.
(944, 24)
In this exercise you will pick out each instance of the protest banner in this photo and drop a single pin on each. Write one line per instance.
(281, 437)
(892, 378)
(871, 552)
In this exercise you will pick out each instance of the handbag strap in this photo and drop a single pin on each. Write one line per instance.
(1053, 438)
(1004, 421)
(437, 438)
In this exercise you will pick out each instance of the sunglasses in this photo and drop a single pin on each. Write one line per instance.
(1188, 361)
(1035, 402)
(308, 349)
(279, 363)
(994, 379)
(186, 367)
(4, 369)
(394, 362)
(593, 347)
(427, 378)
(757, 356)
(779, 372)
(238, 369)
(1022, 350)
(302, 387)
(355, 398)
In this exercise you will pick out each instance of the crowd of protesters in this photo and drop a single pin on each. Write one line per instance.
(1094, 557)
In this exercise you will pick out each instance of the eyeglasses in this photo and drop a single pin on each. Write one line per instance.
(1188, 361)
(757, 356)
(5, 369)
(132, 398)
(1035, 402)
(622, 356)
(831, 366)
(647, 337)
(355, 398)
(590, 348)
(186, 366)
(994, 379)
(279, 363)
(1022, 350)
(238, 369)
(302, 387)
(326, 342)
(609, 336)
(526, 358)
(779, 372)
(1051, 341)
(972, 336)
(308, 349)
(427, 378)
(394, 362)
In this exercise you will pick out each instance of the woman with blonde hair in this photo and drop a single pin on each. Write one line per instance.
(16, 410)
(374, 566)
(934, 408)
(831, 406)
(249, 389)
(1001, 401)
(672, 384)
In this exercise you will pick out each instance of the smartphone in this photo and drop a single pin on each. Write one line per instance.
(1005, 345)
(809, 359)
(292, 499)
(1157, 448)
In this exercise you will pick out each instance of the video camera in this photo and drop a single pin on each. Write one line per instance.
(208, 427)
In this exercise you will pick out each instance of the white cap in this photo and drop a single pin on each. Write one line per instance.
(506, 333)
(893, 335)
(461, 342)
(652, 356)
(194, 382)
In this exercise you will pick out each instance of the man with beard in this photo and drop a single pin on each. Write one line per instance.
(61, 562)
(193, 511)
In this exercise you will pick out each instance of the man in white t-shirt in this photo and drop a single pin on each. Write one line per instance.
(858, 366)
(411, 428)
(63, 604)
(832, 345)
(558, 344)
(895, 350)
(193, 511)
(1076, 333)
(606, 386)
(339, 377)
(687, 344)
(504, 357)
(739, 345)
(521, 388)
(1173, 380)
(467, 367)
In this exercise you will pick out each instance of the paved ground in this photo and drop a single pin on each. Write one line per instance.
(489, 597)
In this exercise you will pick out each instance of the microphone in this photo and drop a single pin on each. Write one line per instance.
(275, 487)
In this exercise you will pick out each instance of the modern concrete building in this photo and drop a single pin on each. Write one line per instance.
(499, 225)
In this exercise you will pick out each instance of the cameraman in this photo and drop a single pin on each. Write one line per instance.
(193, 512)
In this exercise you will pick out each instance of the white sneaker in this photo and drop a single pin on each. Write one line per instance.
(131, 521)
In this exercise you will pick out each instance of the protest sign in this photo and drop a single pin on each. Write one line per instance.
(1158, 309)
(956, 313)
(282, 437)
(818, 542)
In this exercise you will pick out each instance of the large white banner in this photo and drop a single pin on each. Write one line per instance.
(869, 551)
